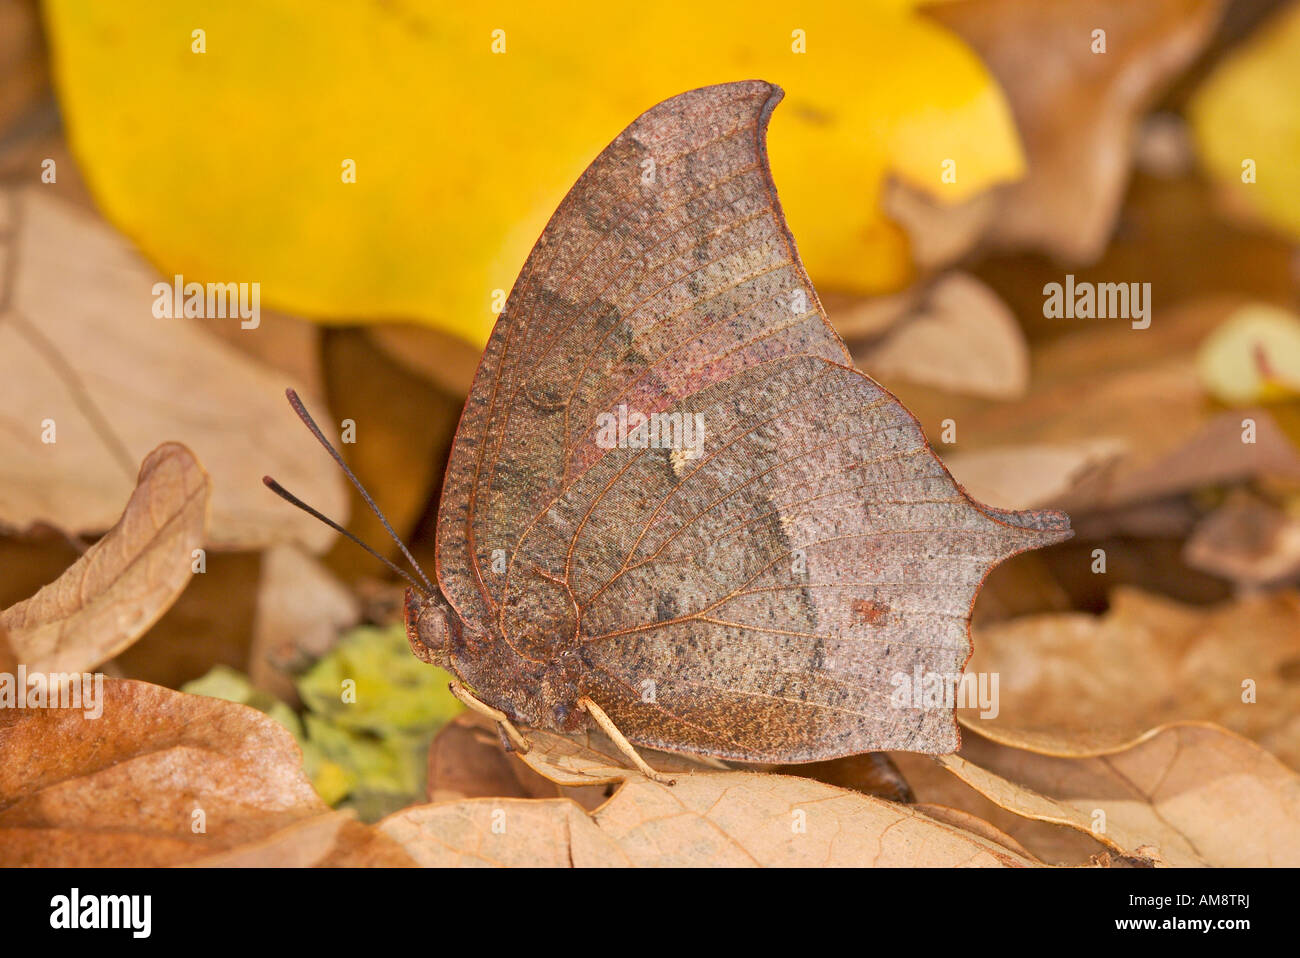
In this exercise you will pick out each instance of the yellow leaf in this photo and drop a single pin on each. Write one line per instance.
(1254, 356)
(1246, 120)
(230, 164)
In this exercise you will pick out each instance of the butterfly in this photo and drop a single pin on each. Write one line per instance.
(755, 568)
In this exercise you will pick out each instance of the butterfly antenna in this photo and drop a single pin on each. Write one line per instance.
(283, 493)
(290, 498)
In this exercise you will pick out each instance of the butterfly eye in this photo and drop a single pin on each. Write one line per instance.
(428, 629)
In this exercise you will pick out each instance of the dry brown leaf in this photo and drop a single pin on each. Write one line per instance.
(1026, 477)
(123, 788)
(1077, 110)
(1075, 683)
(286, 343)
(744, 818)
(1170, 234)
(24, 73)
(501, 832)
(1171, 517)
(126, 580)
(358, 845)
(8, 658)
(935, 787)
(1188, 794)
(938, 234)
(31, 561)
(959, 336)
(39, 137)
(707, 818)
(467, 760)
(972, 823)
(1163, 146)
(712, 818)
(79, 345)
(1247, 540)
(210, 624)
(864, 317)
(301, 610)
(446, 361)
(590, 758)
(332, 839)
(299, 845)
(1152, 565)
(1027, 584)
(1026, 802)
(1138, 388)
(872, 773)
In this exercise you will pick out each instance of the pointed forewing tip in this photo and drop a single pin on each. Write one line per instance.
(1051, 525)
(716, 93)
(734, 89)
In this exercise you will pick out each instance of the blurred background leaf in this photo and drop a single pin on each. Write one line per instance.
(229, 163)
(1237, 116)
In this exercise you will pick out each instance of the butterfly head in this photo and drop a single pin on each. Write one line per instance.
(432, 627)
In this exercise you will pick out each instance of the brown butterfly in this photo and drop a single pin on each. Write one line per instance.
(754, 595)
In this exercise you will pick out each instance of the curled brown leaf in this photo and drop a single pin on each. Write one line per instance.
(1078, 684)
(126, 580)
(1187, 794)
(156, 778)
(84, 355)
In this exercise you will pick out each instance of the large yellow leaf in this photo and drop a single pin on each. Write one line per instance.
(1246, 119)
(228, 164)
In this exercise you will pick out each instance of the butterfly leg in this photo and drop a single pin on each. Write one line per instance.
(627, 748)
(496, 715)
